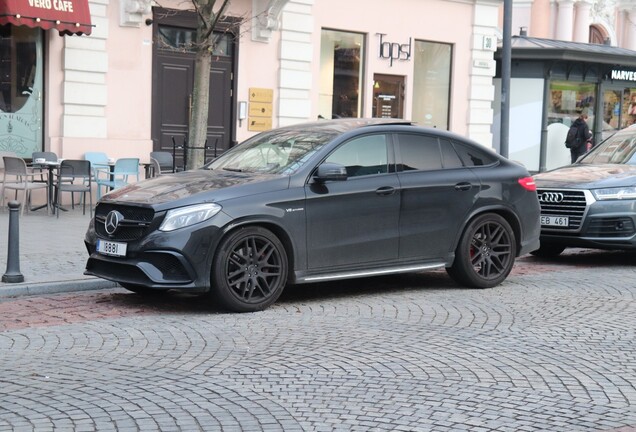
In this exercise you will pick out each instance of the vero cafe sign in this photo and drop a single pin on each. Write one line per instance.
(58, 5)
(623, 75)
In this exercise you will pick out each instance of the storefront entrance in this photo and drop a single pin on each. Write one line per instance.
(388, 96)
(21, 78)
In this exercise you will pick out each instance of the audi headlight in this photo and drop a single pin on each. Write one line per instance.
(186, 216)
(618, 193)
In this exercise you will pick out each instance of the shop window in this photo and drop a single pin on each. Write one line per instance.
(569, 99)
(341, 60)
(21, 72)
(432, 84)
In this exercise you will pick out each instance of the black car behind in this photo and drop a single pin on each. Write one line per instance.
(319, 201)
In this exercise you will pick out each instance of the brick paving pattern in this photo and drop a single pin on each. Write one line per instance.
(552, 349)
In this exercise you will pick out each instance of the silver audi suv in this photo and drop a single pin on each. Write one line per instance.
(591, 203)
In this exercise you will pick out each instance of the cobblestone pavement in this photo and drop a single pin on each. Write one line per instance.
(552, 349)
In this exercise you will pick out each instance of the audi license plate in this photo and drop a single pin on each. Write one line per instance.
(111, 248)
(560, 221)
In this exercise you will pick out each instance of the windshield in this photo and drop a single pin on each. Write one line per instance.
(276, 152)
(617, 149)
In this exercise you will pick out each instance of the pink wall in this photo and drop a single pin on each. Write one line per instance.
(430, 20)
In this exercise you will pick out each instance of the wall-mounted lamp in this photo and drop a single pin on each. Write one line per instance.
(376, 84)
(148, 21)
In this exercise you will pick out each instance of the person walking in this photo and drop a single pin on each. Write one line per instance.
(579, 138)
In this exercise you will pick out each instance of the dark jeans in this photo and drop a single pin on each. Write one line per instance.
(576, 153)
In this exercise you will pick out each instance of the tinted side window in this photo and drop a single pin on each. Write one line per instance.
(472, 156)
(419, 152)
(450, 158)
(362, 156)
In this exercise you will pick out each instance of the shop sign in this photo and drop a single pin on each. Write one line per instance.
(623, 75)
(393, 50)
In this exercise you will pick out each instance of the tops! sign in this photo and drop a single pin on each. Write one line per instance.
(59, 5)
(394, 50)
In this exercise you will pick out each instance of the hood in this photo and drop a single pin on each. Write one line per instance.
(207, 185)
(588, 176)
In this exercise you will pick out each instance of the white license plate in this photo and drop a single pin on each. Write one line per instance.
(560, 221)
(111, 248)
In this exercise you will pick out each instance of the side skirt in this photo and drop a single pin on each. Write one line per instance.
(366, 273)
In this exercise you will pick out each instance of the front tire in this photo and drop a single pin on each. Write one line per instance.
(485, 254)
(249, 270)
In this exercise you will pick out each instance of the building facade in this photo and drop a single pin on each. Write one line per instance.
(125, 88)
(567, 56)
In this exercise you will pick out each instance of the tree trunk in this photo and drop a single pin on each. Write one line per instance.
(197, 131)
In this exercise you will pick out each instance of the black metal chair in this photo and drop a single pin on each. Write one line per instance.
(165, 159)
(74, 176)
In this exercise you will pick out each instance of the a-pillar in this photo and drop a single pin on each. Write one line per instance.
(565, 20)
(583, 21)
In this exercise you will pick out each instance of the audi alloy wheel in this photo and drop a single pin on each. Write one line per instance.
(486, 252)
(249, 270)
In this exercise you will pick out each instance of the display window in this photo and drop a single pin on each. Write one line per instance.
(432, 84)
(569, 99)
(21, 78)
(341, 61)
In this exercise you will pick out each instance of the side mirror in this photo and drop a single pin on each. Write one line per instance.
(329, 171)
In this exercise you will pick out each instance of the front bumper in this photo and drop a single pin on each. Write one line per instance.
(607, 224)
(179, 259)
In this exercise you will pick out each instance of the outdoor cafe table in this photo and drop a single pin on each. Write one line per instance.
(51, 166)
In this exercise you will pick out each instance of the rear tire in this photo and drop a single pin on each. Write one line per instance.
(249, 270)
(548, 250)
(485, 254)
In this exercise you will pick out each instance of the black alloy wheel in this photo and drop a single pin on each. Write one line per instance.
(249, 270)
(485, 254)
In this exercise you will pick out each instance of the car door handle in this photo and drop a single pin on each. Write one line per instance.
(385, 190)
(464, 186)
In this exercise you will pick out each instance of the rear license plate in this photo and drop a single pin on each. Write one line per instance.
(560, 221)
(111, 248)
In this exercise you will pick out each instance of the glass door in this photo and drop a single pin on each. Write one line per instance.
(21, 78)
(388, 96)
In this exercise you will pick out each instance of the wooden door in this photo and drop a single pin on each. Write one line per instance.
(173, 77)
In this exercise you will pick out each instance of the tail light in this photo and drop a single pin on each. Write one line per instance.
(528, 183)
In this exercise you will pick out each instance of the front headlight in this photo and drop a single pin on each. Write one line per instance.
(186, 216)
(619, 193)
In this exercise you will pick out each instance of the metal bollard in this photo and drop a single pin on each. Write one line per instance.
(13, 275)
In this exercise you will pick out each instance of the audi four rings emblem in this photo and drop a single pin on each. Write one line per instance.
(113, 218)
(551, 197)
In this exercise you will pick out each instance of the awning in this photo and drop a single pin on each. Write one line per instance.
(66, 16)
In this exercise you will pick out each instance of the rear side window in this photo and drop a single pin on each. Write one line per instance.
(450, 158)
(419, 152)
(472, 156)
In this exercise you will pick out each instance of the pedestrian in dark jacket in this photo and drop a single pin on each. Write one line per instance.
(583, 137)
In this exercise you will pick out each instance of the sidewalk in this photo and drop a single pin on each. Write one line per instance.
(52, 253)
